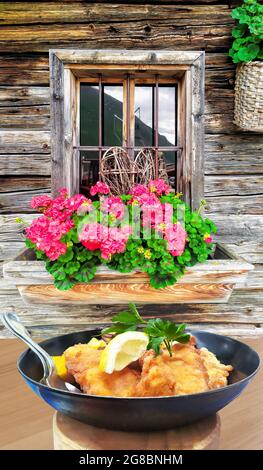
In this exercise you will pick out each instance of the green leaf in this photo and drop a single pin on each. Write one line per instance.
(72, 267)
(67, 256)
(119, 328)
(155, 344)
(248, 53)
(128, 316)
(65, 284)
(239, 31)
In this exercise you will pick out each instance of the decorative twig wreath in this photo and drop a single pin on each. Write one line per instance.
(120, 171)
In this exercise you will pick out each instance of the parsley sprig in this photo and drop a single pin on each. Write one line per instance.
(160, 331)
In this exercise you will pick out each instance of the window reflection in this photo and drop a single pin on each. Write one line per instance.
(112, 115)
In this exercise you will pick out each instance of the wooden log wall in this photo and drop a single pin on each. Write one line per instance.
(233, 158)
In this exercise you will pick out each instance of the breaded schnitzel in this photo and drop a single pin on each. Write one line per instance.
(188, 370)
(82, 362)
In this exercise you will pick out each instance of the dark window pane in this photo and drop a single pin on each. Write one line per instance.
(143, 116)
(112, 115)
(89, 114)
(170, 161)
(89, 170)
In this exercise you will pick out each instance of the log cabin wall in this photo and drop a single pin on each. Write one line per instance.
(233, 159)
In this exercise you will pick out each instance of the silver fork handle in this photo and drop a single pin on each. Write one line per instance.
(13, 323)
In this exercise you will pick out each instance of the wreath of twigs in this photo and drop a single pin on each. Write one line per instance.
(148, 168)
(117, 170)
(120, 172)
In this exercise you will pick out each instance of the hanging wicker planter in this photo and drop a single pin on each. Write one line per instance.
(249, 96)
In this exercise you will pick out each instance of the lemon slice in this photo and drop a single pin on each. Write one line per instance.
(122, 350)
(95, 343)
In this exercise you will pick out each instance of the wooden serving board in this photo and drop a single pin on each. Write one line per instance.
(70, 434)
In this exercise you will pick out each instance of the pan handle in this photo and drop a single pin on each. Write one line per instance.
(13, 323)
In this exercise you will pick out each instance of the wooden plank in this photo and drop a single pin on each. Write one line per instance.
(24, 61)
(233, 154)
(112, 293)
(10, 229)
(241, 185)
(219, 123)
(25, 117)
(251, 251)
(233, 162)
(76, 12)
(235, 205)
(17, 76)
(236, 330)
(12, 141)
(24, 183)
(218, 100)
(255, 277)
(9, 250)
(38, 38)
(61, 315)
(18, 202)
(25, 164)
(24, 96)
(238, 228)
(213, 271)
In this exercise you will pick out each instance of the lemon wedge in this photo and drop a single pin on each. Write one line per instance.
(95, 343)
(60, 365)
(122, 350)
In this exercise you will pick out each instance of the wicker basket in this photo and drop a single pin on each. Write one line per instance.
(249, 96)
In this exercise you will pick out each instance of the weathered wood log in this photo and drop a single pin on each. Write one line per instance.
(14, 202)
(233, 329)
(24, 183)
(237, 205)
(25, 164)
(25, 117)
(13, 76)
(240, 185)
(76, 12)
(10, 229)
(233, 154)
(22, 141)
(24, 96)
(238, 228)
(252, 250)
(255, 277)
(130, 34)
(8, 250)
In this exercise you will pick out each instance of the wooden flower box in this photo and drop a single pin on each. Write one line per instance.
(210, 282)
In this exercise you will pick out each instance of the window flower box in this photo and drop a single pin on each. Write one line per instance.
(209, 282)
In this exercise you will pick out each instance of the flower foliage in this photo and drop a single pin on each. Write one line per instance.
(150, 228)
(248, 34)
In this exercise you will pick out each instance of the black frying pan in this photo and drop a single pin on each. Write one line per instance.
(144, 414)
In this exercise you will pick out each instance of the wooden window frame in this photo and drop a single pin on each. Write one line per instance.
(68, 67)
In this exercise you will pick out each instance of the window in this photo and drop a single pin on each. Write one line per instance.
(147, 107)
(130, 99)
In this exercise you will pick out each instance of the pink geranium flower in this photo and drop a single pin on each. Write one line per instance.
(139, 190)
(208, 238)
(175, 236)
(113, 205)
(46, 233)
(99, 188)
(41, 202)
(109, 240)
(159, 187)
